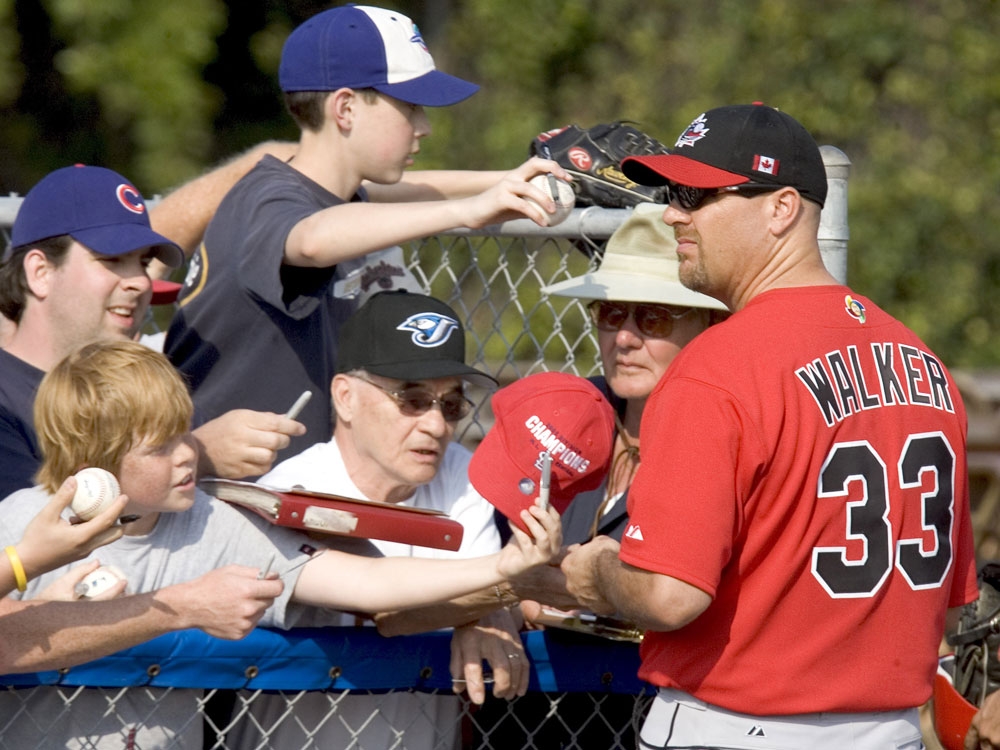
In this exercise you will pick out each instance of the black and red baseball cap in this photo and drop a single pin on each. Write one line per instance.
(735, 145)
(557, 412)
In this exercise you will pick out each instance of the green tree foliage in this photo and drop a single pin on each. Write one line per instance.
(910, 91)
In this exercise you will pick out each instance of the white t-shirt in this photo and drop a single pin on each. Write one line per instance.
(375, 722)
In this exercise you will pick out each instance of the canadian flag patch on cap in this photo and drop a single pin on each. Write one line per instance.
(765, 164)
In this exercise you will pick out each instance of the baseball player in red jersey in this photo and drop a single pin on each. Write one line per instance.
(799, 525)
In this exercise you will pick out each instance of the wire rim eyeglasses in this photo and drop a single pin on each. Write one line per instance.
(413, 401)
(652, 320)
(690, 198)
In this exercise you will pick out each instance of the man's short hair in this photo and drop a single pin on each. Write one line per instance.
(14, 289)
(307, 107)
(103, 400)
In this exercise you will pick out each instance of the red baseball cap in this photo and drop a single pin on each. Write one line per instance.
(557, 412)
(165, 292)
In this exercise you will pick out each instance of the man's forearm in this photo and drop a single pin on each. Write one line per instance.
(54, 634)
(651, 600)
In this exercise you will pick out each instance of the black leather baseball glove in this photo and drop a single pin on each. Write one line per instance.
(594, 155)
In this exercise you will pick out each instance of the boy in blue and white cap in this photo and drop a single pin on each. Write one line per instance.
(257, 315)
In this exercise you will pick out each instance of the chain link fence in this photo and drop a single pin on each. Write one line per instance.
(350, 688)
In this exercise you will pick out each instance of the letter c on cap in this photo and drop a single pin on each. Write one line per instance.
(130, 198)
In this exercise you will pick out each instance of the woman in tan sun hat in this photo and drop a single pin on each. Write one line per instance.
(643, 316)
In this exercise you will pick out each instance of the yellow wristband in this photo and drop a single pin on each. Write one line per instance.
(15, 563)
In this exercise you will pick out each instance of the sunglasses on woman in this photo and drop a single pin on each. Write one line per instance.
(655, 321)
(414, 400)
(689, 198)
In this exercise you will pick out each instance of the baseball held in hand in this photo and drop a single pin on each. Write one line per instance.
(99, 581)
(96, 489)
(564, 201)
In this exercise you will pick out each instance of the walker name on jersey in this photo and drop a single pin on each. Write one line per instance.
(847, 381)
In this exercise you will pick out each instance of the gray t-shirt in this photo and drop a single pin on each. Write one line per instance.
(181, 547)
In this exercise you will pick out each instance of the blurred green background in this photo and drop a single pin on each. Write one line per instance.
(909, 90)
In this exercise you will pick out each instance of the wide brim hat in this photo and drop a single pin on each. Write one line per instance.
(639, 265)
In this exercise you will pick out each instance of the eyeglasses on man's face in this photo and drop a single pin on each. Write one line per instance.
(414, 400)
(655, 321)
(689, 198)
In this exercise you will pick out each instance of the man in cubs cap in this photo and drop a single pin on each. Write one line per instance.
(360, 47)
(742, 144)
(556, 412)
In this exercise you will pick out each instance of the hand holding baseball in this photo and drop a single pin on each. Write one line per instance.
(50, 541)
(561, 194)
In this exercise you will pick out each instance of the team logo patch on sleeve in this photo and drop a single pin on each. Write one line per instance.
(854, 308)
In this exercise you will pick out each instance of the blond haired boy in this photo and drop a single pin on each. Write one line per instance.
(123, 407)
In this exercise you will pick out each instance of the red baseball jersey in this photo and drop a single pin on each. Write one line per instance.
(804, 464)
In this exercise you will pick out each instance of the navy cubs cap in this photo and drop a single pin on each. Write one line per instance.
(408, 337)
(358, 47)
(95, 206)
(734, 145)
(557, 412)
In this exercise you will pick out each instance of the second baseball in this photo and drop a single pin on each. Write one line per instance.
(95, 490)
(564, 201)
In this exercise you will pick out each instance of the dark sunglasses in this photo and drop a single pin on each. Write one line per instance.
(689, 198)
(413, 401)
(655, 321)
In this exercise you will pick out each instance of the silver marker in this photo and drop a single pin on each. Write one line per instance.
(553, 185)
(299, 404)
(266, 569)
(543, 488)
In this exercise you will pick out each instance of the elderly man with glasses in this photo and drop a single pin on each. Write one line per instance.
(398, 395)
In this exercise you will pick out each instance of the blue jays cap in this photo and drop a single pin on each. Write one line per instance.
(95, 206)
(407, 337)
(358, 47)
(735, 145)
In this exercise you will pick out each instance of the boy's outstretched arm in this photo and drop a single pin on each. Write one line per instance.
(338, 580)
(350, 230)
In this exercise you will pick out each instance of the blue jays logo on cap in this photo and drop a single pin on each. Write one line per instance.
(429, 329)
(418, 39)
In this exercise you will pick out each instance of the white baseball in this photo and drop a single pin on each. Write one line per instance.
(98, 582)
(564, 201)
(96, 489)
